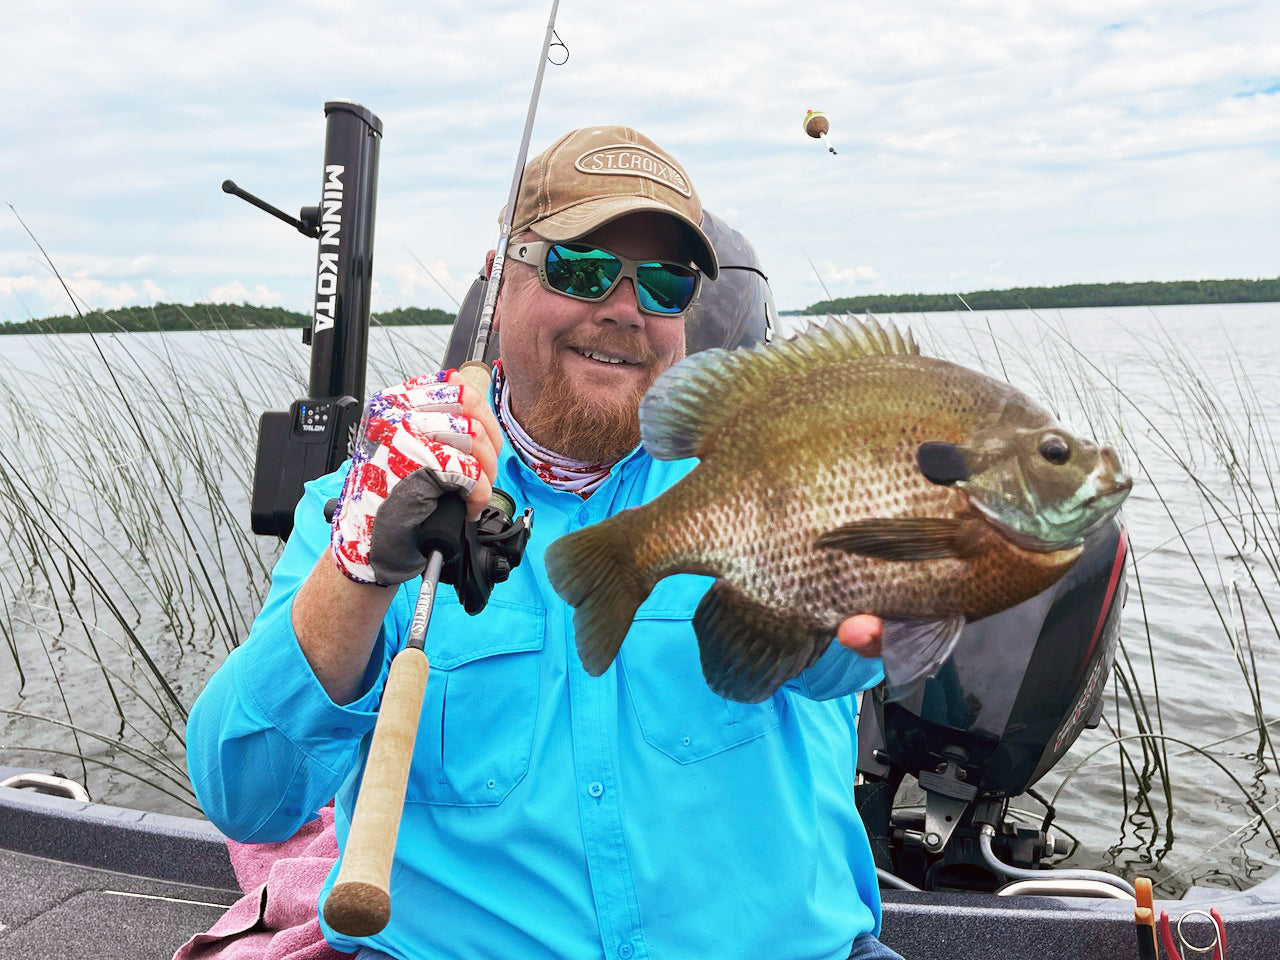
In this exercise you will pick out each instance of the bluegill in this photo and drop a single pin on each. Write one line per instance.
(839, 472)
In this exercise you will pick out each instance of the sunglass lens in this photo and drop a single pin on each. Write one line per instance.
(665, 287)
(581, 271)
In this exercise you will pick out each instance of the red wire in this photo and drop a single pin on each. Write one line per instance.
(1167, 937)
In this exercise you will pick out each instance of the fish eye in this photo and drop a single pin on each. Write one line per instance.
(1056, 450)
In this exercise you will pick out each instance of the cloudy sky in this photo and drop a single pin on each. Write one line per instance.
(981, 143)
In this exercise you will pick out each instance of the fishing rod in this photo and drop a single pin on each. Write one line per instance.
(359, 905)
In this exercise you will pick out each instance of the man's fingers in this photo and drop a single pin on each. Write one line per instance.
(478, 498)
(475, 403)
(444, 409)
(862, 634)
(465, 433)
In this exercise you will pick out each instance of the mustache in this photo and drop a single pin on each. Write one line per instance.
(614, 343)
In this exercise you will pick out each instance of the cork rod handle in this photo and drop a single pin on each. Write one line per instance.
(478, 374)
(360, 903)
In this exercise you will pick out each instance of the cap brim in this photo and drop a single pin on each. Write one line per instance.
(582, 218)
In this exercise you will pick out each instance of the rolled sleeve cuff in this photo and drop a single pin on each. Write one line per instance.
(298, 706)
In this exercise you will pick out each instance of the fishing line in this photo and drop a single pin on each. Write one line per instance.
(1258, 819)
(485, 323)
(433, 277)
(818, 275)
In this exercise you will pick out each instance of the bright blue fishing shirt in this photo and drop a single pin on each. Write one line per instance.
(551, 814)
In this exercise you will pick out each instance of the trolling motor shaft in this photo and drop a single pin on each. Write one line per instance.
(312, 437)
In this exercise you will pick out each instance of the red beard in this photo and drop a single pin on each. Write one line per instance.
(564, 421)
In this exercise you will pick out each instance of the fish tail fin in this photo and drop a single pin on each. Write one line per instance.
(595, 571)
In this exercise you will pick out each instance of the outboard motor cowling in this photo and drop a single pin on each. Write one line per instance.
(1000, 712)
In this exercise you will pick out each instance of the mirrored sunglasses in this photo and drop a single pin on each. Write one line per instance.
(589, 273)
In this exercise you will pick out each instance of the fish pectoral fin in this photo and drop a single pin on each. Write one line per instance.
(748, 650)
(907, 538)
(913, 649)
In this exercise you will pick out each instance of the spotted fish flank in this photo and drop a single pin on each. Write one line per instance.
(840, 472)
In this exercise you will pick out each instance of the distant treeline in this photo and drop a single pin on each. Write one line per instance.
(1072, 295)
(207, 316)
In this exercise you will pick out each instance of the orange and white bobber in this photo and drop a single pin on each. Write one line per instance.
(818, 126)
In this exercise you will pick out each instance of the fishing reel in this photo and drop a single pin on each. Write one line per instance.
(478, 554)
(491, 548)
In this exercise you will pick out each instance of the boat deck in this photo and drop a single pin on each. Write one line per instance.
(53, 909)
(86, 881)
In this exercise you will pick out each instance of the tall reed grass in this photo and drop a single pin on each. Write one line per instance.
(128, 570)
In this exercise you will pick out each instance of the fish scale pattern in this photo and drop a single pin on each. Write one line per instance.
(808, 504)
(799, 472)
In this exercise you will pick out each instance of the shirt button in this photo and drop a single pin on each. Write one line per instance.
(583, 515)
(596, 789)
(625, 951)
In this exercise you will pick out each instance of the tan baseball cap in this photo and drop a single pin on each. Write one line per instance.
(594, 175)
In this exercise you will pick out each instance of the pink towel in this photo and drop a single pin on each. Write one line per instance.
(277, 918)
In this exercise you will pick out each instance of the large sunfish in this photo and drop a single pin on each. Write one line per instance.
(840, 472)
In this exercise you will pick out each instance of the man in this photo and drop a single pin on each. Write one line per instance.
(548, 813)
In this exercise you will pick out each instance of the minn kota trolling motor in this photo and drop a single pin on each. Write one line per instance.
(314, 436)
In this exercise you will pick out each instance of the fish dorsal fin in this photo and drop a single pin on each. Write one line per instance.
(688, 402)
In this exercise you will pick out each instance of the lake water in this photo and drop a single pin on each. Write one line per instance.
(123, 494)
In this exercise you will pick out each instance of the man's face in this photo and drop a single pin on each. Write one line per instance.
(559, 354)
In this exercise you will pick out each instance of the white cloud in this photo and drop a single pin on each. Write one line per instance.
(861, 275)
(44, 295)
(237, 292)
(1062, 140)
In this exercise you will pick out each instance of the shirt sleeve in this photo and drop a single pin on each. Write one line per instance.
(837, 673)
(266, 747)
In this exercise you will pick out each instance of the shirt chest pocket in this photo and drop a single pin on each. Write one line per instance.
(676, 711)
(476, 734)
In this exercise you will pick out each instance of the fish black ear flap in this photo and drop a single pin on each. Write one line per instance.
(941, 463)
